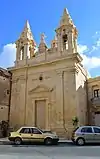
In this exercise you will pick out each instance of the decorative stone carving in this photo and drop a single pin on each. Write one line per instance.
(34, 79)
(42, 45)
(40, 88)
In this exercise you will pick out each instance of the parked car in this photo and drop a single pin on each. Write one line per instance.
(33, 134)
(86, 134)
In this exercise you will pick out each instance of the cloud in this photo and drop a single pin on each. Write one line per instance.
(89, 62)
(8, 55)
(82, 48)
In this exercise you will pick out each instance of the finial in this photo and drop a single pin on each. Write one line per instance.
(27, 26)
(65, 11)
(66, 19)
(42, 38)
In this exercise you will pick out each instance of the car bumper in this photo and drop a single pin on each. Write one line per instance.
(73, 140)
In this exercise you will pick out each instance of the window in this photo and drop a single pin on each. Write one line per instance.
(22, 53)
(36, 131)
(65, 42)
(96, 93)
(25, 130)
(86, 130)
(96, 130)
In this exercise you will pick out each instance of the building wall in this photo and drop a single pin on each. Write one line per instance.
(81, 91)
(58, 87)
(4, 94)
(93, 98)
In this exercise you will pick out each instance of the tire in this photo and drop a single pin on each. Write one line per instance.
(80, 142)
(17, 141)
(48, 141)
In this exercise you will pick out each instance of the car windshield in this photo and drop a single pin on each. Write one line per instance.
(45, 131)
(41, 130)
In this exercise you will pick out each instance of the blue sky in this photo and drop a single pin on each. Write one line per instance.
(44, 16)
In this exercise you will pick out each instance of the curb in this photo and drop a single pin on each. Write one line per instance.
(7, 142)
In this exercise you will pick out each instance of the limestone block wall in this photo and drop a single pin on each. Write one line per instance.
(93, 84)
(18, 94)
(4, 94)
(81, 91)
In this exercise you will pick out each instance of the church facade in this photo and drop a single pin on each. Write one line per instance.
(49, 85)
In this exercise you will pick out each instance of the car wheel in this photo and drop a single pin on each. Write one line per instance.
(18, 141)
(80, 141)
(48, 141)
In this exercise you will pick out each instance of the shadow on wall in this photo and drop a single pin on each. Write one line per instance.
(82, 103)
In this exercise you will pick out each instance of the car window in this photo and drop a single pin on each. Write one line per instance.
(86, 130)
(96, 130)
(36, 131)
(25, 130)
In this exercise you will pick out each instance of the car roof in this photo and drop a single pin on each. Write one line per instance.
(28, 127)
(89, 126)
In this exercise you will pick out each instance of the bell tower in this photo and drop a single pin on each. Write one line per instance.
(67, 34)
(25, 45)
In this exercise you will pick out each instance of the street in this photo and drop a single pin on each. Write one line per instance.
(62, 151)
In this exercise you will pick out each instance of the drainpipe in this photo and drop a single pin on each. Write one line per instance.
(9, 104)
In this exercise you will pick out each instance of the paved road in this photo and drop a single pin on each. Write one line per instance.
(62, 151)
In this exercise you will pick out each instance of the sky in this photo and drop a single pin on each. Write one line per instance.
(44, 17)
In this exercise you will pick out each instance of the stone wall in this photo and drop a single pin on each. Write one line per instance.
(4, 93)
(93, 99)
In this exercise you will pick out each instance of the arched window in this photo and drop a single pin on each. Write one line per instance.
(65, 42)
(22, 53)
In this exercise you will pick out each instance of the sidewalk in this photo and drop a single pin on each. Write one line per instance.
(5, 141)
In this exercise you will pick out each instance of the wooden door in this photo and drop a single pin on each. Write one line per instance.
(40, 113)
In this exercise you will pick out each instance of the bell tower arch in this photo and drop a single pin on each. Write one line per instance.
(25, 45)
(67, 34)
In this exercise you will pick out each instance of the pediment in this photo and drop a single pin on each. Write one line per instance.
(40, 88)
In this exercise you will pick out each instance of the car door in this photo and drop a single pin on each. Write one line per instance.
(87, 134)
(25, 134)
(96, 134)
(37, 135)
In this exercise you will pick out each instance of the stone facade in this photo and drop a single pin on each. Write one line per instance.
(4, 94)
(49, 84)
(94, 100)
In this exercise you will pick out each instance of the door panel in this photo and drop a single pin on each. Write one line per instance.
(37, 136)
(25, 133)
(87, 134)
(40, 111)
(96, 134)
